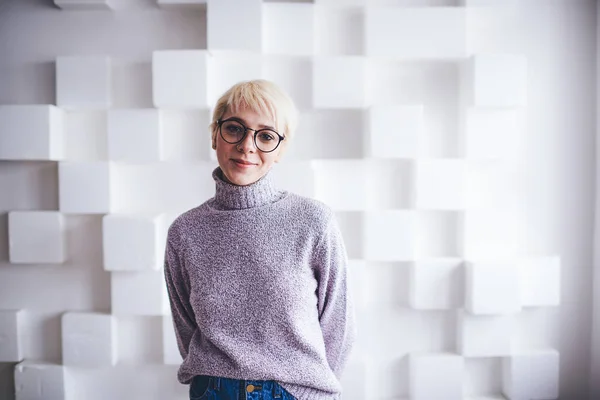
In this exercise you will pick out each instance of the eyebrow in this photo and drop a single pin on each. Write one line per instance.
(243, 121)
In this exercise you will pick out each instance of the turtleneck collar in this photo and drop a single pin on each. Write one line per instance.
(233, 197)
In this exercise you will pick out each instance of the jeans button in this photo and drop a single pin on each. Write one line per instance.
(250, 388)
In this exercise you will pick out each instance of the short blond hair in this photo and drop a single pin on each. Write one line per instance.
(262, 97)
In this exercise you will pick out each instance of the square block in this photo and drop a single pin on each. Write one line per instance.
(288, 28)
(31, 132)
(35, 380)
(185, 4)
(36, 237)
(492, 185)
(223, 14)
(139, 293)
(290, 73)
(89, 339)
(484, 336)
(226, 68)
(135, 135)
(339, 82)
(357, 276)
(492, 288)
(487, 234)
(83, 82)
(171, 355)
(497, 80)
(395, 131)
(531, 375)
(440, 184)
(436, 284)
(491, 134)
(180, 79)
(353, 380)
(85, 187)
(340, 29)
(390, 235)
(133, 242)
(539, 281)
(297, 177)
(435, 376)
(416, 32)
(11, 335)
(341, 184)
(83, 4)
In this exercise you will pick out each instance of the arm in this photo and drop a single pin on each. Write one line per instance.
(336, 311)
(178, 288)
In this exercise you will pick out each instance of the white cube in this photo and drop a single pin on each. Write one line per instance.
(353, 380)
(492, 288)
(357, 278)
(390, 235)
(497, 80)
(539, 281)
(83, 82)
(226, 68)
(171, 354)
(440, 184)
(11, 335)
(339, 82)
(492, 185)
(180, 79)
(341, 184)
(436, 284)
(83, 4)
(243, 15)
(531, 375)
(135, 135)
(31, 132)
(339, 28)
(36, 380)
(185, 4)
(491, 134)
(298, 177)
(436, 376)
(485, 234)
(133, 242)
(85, 187)
(288, 28)
(484, 336)
(139, 293)
(36, 237)
(416, 32)
(395, 131)
(290, 73)
(89, 339)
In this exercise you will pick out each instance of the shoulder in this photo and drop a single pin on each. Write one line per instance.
(185, 223)
(311, 212)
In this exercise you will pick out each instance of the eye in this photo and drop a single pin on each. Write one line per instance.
(266, 136)
(234, 129)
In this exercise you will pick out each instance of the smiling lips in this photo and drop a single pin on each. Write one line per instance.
(242, 163)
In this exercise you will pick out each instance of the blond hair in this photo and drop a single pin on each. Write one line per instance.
(263, 97)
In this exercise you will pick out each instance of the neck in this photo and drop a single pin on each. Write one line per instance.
(229, 196)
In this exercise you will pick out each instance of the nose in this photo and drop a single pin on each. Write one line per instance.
(247, 144)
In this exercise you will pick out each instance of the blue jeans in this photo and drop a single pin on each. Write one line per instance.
(204, 387)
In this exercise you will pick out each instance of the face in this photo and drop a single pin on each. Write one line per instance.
(242, 163)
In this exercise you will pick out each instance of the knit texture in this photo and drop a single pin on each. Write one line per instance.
(257, 282)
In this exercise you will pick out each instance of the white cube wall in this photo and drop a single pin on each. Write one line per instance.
(440, 184)
(133, 242)
(436, 284)
(395, 131)
(223, 14)
(85, 187)
(390, 235)
(11, 335)
(497, 80)
(539, 281)
(341, 184)
(179, 79)
(288, 28)
(416, 32)
(353, 380)
(226, 68)
(436, 376)
(492, 288)
(139, 293)
(491, 134)
(171, 355)
(339, 82)
(488, 234)
(492, 185)
(531, 375)
(83, 4)
(89, 339)
(83, 82)
(484, 336)
(39, 381)
(36, 237)
(31, 132)
(135, 135)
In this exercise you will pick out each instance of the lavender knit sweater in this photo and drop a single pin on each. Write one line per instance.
(257, 280)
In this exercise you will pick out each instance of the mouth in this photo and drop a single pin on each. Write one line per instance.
(242, 163)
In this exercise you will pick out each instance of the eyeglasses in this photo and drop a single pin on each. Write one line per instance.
(233, 131)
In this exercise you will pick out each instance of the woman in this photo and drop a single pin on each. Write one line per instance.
(257, 277)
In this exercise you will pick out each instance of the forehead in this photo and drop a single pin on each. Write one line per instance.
(250, 116)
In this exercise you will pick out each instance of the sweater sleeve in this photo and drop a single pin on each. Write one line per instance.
(335, 305)
(178, 288)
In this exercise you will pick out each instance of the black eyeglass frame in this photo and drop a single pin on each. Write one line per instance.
(246, 129)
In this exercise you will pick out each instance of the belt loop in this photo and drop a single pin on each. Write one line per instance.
(217, 383)
(276, 390)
